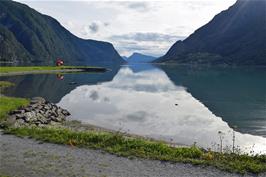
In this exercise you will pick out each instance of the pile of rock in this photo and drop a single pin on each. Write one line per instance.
(39, 112)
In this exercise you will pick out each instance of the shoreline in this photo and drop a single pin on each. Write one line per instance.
(81, 126)
(11, 71)
(47, 123)
(40, 72)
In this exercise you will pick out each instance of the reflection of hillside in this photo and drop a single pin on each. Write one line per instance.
(144, 103)
(51, 88)
(140, 67)
(238, 95)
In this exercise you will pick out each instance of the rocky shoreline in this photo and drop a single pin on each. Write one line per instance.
(39, 112)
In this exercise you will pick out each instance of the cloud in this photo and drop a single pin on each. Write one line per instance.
(136, 6)
(69, 24)
(94, 95)
(146, 26)
(94, 27)
(138, 116)
(149, 43)
(139, 6)
(130, 93)
(106, 24)
(149, 36)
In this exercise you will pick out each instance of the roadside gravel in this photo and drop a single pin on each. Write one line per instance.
(26, 157)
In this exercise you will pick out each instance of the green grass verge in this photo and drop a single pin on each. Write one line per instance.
(5, 84)
(9, 69)
(8, 104)
(3, 175)
(119, 144)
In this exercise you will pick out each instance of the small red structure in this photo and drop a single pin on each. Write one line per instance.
(59, 62)
(60, 76)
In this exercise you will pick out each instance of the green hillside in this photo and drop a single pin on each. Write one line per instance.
(29, 36)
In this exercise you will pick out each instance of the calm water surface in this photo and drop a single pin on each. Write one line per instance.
(174, 103)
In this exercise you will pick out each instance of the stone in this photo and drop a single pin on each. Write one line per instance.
(39, 113)
(53, 109)
(34, 105)
(18, 111)
(19, 123)
(20, 116)
(53, 118)
(28, 109)
(39, 100)
(11, 119)
(54, 114)
(41, 125)
(65, 112)
(41, 118)
(30, 116)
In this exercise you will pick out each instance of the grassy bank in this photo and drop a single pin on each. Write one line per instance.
(119, 144)
(3, 175)
(8, 104)
(5, 84)
(11, 69)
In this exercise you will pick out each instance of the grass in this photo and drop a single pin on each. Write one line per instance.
(10, 69)
(5, 84)
(121, 145)
(3, 175)
(8, 104)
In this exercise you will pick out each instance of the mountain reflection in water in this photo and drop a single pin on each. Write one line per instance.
(174, 103)
(147, 102)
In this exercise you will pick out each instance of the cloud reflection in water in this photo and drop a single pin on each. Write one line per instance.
(148, 103)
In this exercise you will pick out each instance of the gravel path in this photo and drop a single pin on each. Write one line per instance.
(29, 158)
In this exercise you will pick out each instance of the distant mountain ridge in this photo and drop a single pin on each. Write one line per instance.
(29, 36)
(124, 57)
(236, 36)
(139, 58)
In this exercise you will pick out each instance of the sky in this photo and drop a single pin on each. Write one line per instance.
(148, 27)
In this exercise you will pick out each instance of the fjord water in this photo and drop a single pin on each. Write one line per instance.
(173, 103)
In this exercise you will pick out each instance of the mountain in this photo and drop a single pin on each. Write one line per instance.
(124, 57)
(236, 36)
(29, 36)
(140, 58)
